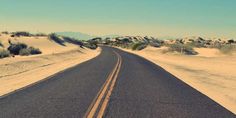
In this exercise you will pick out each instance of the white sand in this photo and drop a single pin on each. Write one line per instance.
(21, 71)
(210, 72)
(43, 43)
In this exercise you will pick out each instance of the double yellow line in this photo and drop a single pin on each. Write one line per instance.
(99, 104)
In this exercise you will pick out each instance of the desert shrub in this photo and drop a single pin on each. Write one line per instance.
(181, 48)
(155, 44)
(40, 34)
(56, 39)
(227, 49)
(97, 39)
(1, 45)
(4, 53)
(29, 51)
(176, 47)
(5, 32)
(127, 46)
(73, 41)
(15, 48)
(93, 41)
(22, 33)
(138, 46)
(34, 51)
(24, 52)
(197, 44)
(216, 45)
(231, 41)
(141, 47)
(91, 46)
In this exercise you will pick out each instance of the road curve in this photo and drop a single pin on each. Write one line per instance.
(138, 89)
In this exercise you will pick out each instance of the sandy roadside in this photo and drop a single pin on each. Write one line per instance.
(213, 76)
(22, 71)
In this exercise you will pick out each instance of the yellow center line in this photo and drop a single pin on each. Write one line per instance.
(93, 108)
(107, 98)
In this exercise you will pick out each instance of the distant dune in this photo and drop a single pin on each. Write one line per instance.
(83, 36)
(78, 35)
(43, 43)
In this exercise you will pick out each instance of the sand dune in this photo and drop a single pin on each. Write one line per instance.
(208, 52)
(20, 71)
(210, 72)
(43, 43)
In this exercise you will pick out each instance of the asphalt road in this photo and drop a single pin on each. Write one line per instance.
(141, 90)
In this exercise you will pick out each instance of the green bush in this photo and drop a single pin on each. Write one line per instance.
(56, 39)
(22, 33)
(154, 44)
(34, 51)
(15, 48)
(73, 41)
(227, 49)
(127, 46)
(40, 34)
(92, 43)
(176, 47)
(231, 41)
(4, 53)
(197, 44)
(138, 46)
(29, 51)
(1, 45)
(182, 48)
(5, 32)
(22, 49)
(24, 52)
(91, 46)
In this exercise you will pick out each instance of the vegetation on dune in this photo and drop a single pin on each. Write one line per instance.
(15, 48)
(73, 41)
(91, 46)
(227, 49)
(24, 52)
(34, 51)
(92, 43)
(40, 35)
(182, 48)
(5, 32)
(1, 45)
(21, 33)
(138, 46)
(156, 43)
(29, 51)
(22, 49)
(181, 45)
(197, 44)
(4, 53)
(54, 37)
(231, 41)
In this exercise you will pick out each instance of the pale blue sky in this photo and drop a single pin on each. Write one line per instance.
(174, 18)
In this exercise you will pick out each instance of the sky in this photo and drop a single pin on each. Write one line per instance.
(159, 18)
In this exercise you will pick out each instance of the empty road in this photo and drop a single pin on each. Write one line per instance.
(116, 84)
